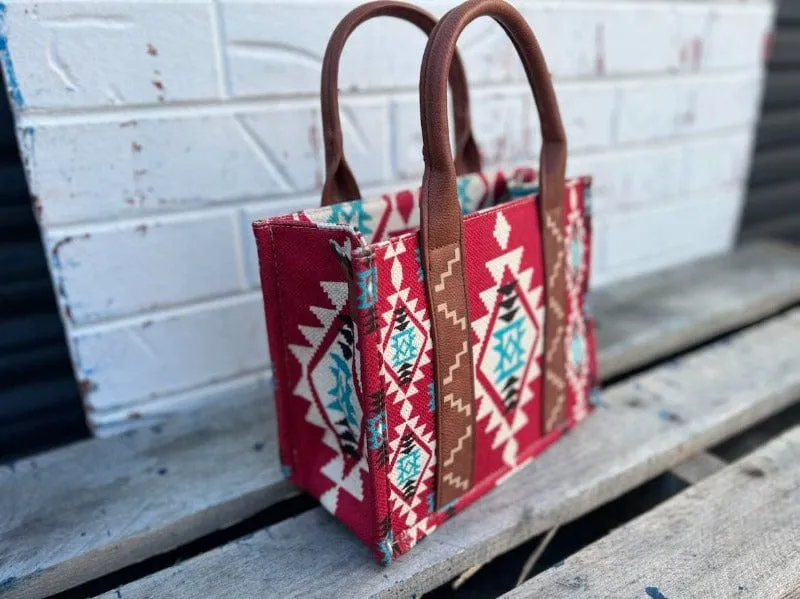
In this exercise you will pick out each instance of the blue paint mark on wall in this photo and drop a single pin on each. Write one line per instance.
(654, 593)
(14, 91)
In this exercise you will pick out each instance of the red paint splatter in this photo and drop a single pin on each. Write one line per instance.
(766, 47)
(313, 137)
(697, 53)
(527, 140)
(500, 145)
(313, 143)
(151, 50)
(37, 206)
(136, 147)
(158, 85)
(599, 49)
(86, 386)
(68, 313)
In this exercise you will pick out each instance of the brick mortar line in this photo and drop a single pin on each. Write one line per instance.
(243, 297)
(232, 385)
(137, 320)
(236, 105)
(296, 199)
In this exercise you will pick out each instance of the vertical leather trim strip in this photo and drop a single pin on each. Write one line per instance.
(554, 402)
(455, 415)
(442, 230)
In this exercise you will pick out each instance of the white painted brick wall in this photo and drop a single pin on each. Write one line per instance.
(153, 134)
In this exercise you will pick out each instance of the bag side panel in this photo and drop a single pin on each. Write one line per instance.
(581, 350)
(366, 292)
(267, 260)
(306, 278)
(406, 369)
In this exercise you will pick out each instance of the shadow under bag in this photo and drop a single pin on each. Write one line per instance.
(428, 343)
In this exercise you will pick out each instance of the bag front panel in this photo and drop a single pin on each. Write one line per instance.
(506, 288)
(314, 346)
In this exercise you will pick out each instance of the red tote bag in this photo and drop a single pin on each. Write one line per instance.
(428, 343)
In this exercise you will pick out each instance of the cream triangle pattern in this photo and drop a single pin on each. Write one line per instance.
(407, 348)
(338, 412)
(492, 414)
(577, 344)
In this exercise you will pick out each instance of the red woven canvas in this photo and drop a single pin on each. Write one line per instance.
(349, 329)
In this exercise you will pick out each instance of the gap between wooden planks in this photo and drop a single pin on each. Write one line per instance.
(79, 513)
(645, 425)
(735, 534)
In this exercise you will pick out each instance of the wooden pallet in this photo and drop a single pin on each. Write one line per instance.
(737, 533)
(91, 509)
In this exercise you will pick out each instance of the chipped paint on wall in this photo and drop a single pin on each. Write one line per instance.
(14, 91)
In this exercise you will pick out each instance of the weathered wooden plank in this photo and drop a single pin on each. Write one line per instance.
(645, 425)
(699, 467)
(735, 534)
(652, 317)
(214, 476)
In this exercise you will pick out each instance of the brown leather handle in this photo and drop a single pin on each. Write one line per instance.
(340, 185)
(439, 217)
(442, 242)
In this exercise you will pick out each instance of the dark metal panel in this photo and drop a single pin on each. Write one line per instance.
(772, 208)
(789, 12)
(40, 403)
(779, 127)
(772, 202)
(774, 165)
(786, 48)
(782, 90)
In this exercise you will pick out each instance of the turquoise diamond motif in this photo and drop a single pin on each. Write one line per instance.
(409, 467)
(376, 431)
(341, 394)
(410, 462)
(577, 350)
(367, 288)
(575, 253)
(511, 354)
(353, 214)
(403, 347)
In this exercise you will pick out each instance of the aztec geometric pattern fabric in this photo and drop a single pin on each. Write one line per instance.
(349, 332)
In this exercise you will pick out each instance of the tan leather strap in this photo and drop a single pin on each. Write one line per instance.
(442, 240)
(340, 185)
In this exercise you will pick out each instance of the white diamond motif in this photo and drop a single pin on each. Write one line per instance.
(502, 231)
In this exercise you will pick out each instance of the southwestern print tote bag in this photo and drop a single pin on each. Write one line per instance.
(428, 343)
